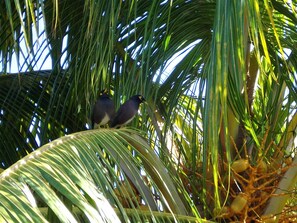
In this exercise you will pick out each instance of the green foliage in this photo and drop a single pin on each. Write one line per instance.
(86, 170)
(231, 96)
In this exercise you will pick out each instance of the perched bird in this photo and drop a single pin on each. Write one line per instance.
(127, 111)
(103, 110)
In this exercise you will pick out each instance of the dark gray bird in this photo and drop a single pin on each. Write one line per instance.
(127, 111)
(103, 110)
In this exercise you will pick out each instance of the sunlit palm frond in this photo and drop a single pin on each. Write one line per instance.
(90, 170)
(232, 95)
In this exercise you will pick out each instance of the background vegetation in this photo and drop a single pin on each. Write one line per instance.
(214, 141)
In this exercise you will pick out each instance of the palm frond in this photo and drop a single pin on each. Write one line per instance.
(85, 170)
(231, 96)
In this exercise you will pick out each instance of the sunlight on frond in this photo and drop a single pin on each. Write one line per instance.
(220, 82)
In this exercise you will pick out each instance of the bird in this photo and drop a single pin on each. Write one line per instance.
(127, 111)
(103, 110)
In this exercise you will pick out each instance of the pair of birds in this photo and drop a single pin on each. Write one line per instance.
(104, 111)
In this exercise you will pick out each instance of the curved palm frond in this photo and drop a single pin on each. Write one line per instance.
(91, 170)
(231, 96)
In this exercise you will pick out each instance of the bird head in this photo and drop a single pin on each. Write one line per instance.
(139, 98)
(104, 91)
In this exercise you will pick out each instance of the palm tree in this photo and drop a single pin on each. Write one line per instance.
(214, 141)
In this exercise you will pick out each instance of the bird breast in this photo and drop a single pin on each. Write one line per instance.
(104, 121)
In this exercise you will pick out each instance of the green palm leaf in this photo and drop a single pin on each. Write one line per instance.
(74, 172)
(230, 96)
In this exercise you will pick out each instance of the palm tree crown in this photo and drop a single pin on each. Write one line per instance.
(218, 126)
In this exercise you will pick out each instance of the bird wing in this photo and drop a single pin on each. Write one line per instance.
(102, 108)
(109, 108)
(125, 113)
